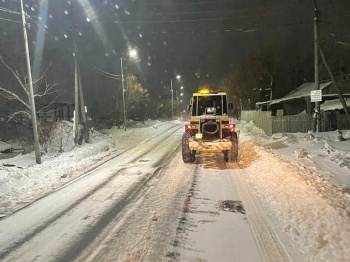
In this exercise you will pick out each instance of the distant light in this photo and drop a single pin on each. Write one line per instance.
(178, 77)
(133, 53)
(182, 87)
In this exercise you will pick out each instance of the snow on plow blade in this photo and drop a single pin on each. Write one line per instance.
(209, 147)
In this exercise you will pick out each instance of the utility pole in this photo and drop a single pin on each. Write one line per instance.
(76, 79)
(172, 99)
(82, 108)
(31, 92)
(172, 95)
(317, 83)
(123, 86)
(76, 97)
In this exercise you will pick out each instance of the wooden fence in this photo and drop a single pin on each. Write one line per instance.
(295, 123)
(292, 124)
(261, 119)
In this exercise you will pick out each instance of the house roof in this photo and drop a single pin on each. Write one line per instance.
(302, 91)
(334, 105)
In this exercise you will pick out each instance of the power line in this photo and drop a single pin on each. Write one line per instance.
(10, 20)
(2, 9)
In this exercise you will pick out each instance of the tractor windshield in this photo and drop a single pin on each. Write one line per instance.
(209, 105)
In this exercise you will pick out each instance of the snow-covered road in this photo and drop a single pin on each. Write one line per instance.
(138, 201)
(133, 208)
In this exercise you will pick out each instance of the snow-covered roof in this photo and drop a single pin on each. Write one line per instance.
(333, 104)
(302, 91)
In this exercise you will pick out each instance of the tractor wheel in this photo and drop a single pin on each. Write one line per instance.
(187, 155)
(234, 148)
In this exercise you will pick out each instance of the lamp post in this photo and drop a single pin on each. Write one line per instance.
(133, 54)
(172, 95)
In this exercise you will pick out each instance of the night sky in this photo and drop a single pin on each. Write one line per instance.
(198, 39)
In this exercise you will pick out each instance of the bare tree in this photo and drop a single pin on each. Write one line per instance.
(20, 93)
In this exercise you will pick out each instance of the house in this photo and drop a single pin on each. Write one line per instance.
(57, 112)
(299, 100)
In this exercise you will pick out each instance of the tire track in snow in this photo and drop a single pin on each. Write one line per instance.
(270, 246)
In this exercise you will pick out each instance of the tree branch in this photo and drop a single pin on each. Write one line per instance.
(47, 106)
(17, 113)
(11, 95)
(16, 75)
(49, 89)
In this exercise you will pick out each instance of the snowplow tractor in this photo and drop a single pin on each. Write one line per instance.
(210, 128)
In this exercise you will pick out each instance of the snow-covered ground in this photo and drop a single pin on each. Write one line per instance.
(302, 180)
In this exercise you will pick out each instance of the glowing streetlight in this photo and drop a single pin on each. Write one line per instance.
(132, 54)
(172, 95)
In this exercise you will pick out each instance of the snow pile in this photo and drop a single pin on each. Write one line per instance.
(342, 159)
(301, 152)
(57, 137)
(285, 137)
(250, 128)
(311, 210)
(311, 138)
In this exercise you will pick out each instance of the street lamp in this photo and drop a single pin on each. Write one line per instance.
(132, 54)
(172, 95)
